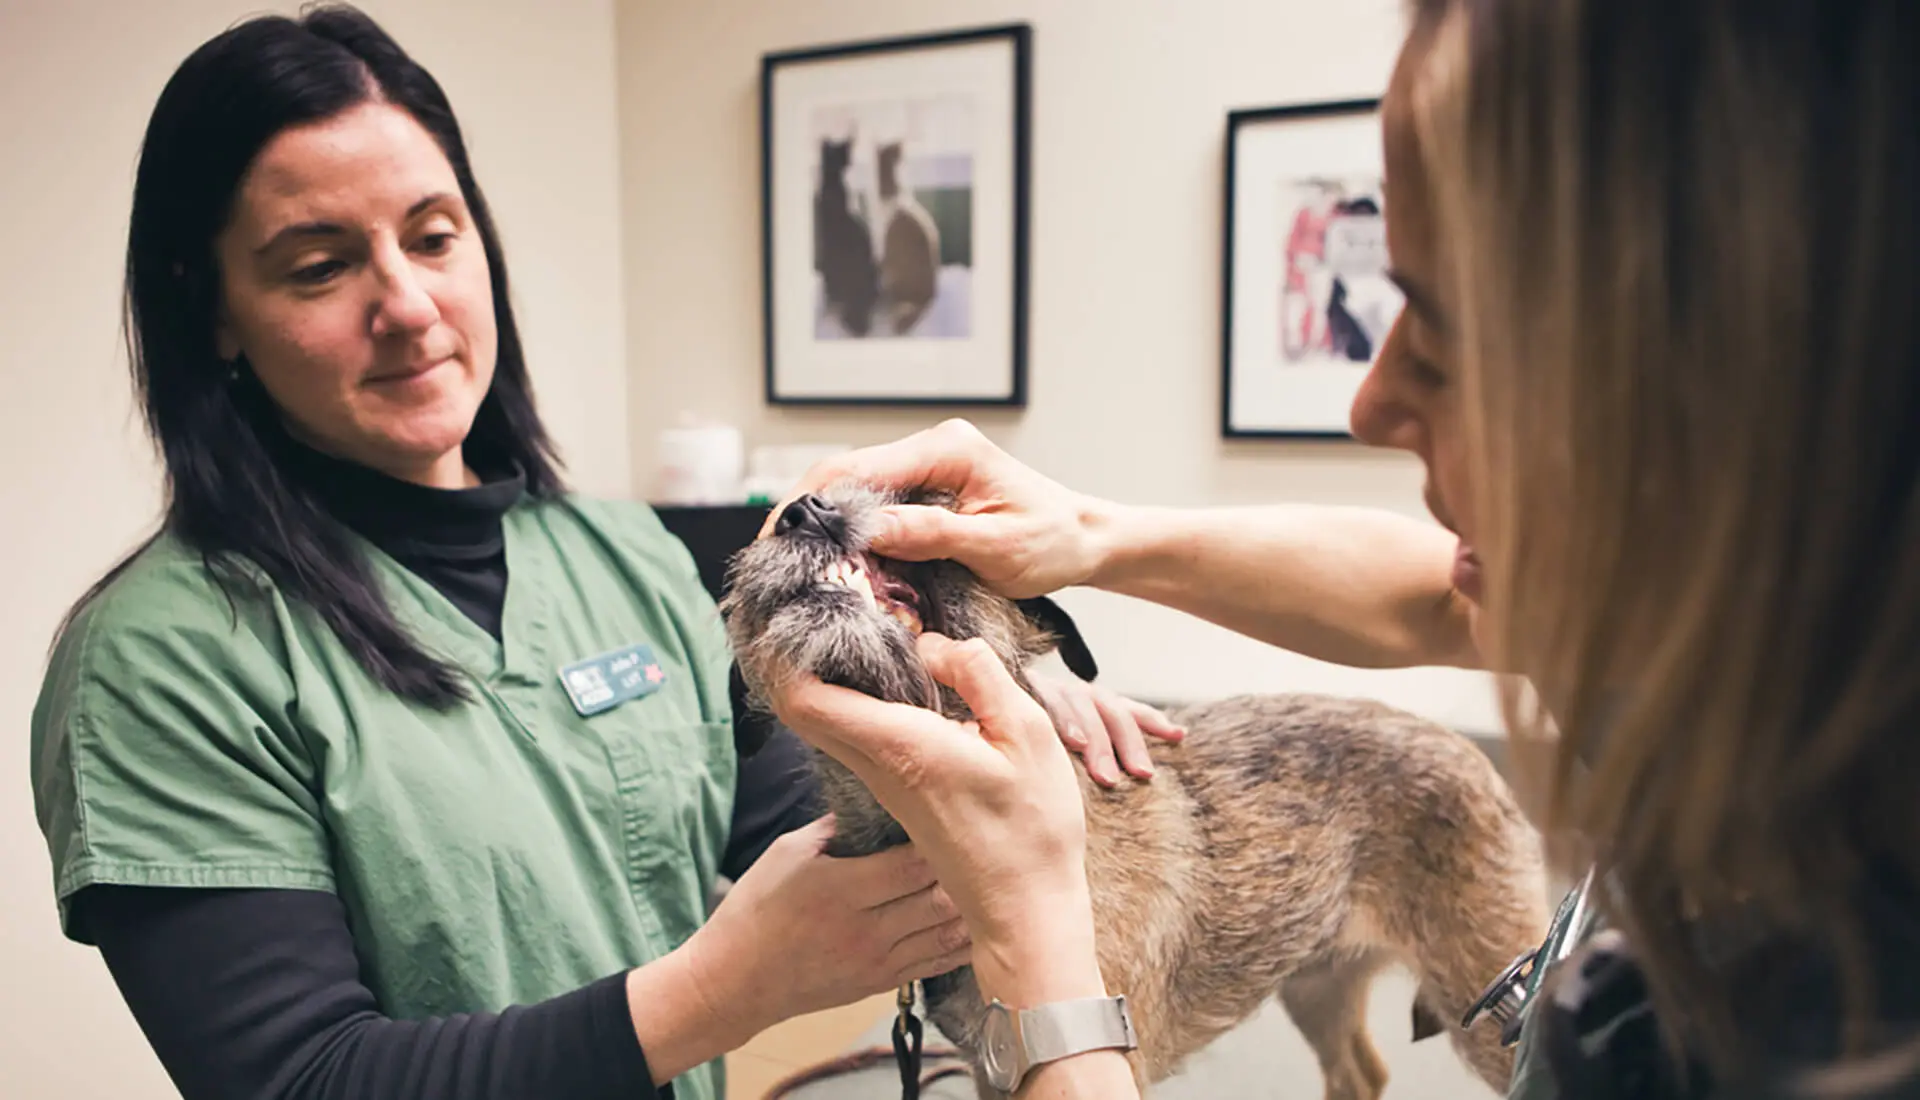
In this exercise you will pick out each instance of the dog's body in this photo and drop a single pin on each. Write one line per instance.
(1290, 845)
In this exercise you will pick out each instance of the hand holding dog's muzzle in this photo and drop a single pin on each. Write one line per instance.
(993, 805)
(1019, 532)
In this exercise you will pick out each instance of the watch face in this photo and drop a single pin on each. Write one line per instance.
(997, 1056)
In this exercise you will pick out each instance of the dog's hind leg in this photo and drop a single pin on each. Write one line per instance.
(1327, 1000)
(1462, 946)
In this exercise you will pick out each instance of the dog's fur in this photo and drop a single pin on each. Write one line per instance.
(1291, 844)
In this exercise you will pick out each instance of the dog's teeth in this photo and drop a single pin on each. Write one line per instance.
(857, 580)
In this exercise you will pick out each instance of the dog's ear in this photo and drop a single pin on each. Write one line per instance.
(1426, 1023)
(1054, 619)
(751, 727)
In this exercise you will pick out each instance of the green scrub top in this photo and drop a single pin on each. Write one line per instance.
(500, 852)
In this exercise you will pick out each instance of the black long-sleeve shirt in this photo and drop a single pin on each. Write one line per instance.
(256, 993)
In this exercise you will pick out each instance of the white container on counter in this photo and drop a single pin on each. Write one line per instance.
(701, 464)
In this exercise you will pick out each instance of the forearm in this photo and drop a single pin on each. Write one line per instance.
(1352, 586)
(684, 1016)
(257, 993)
(1052, 957)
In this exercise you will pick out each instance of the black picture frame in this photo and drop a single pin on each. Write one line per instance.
(1323, 417)
(1010, 281)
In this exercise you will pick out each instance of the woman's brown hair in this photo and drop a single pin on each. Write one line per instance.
(1681, 238)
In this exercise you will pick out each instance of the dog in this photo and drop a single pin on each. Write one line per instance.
(1289, 845)
(910, 246)
(843, 250)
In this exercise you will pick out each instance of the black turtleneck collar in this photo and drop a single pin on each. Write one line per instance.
(451, 538)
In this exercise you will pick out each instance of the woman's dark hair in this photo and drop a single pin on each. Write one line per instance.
(218, 432)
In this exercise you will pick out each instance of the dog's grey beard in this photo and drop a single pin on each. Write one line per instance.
(851, 648)
(783, 623)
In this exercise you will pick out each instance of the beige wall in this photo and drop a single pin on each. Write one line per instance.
(535, 90)
(1130, 102)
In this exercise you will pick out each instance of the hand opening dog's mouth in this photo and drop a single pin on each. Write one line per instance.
(878, 582)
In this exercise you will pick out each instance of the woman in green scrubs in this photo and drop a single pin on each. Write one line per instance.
(389, 768)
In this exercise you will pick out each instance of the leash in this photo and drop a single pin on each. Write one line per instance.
(909, 1053)
(850, 1064)
(908, 1036)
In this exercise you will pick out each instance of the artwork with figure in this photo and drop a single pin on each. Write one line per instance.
(1336, 301)
(1308, 297)
(893, 219)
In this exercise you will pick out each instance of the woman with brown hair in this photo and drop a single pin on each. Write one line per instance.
(1660, 360)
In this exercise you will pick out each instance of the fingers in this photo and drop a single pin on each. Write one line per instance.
(1152, 722)
(931, 951)
(918, 532)
(913, 914)
(1099, 744)
(933, 968)
(1129, 744)
(926, 930)
(814, 835)
(1057, 697)
(1005, 712)
(945, 457)
(887, 880)
(866, 734)
(940, 457)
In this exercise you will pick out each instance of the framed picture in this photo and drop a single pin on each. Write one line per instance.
(1307, 300)
(894, 220)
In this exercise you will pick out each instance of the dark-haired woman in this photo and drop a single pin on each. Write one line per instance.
(388, 768)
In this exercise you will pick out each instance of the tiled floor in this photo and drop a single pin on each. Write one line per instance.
(799, 1043)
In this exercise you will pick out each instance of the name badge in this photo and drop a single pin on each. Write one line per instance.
(601, 683)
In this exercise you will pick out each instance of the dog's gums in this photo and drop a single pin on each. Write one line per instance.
(1290, 845)
(878, 582)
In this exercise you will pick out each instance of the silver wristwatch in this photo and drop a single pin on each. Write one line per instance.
(1012, 1042)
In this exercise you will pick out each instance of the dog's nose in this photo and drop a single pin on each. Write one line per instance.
(812, 516)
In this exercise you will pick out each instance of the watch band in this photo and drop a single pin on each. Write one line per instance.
(1055, 1031)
